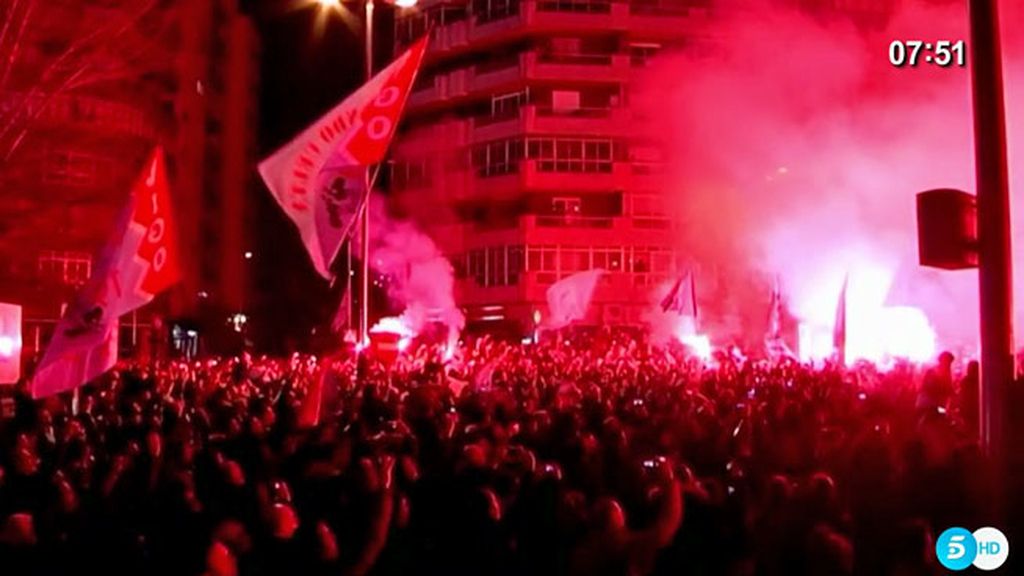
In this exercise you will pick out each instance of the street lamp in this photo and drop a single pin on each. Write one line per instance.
(364, 216)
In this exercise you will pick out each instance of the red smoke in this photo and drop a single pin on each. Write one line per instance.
(795, 148)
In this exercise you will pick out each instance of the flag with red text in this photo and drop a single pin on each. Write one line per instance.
(319, 178)
(139, 261)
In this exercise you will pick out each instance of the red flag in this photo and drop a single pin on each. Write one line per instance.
(139, 261)
(319, 178)
(839, 330)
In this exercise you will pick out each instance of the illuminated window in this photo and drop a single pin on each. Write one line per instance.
(569, 206)
(609, 259)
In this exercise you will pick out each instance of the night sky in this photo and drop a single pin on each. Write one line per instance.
(304, 73)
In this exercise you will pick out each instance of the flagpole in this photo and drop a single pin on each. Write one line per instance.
(348, 282)
(364, 316)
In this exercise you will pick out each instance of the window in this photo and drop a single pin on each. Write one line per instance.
(586, 6)
(641, 53)
(498, 157)
(71, 268)
(574, 259)
(477, 266)
(515, 264)
(496, 266)
(542, 258)
(490, 10)
(407, 174)
(641, 261)
(558, 46)
(648, 205)
(571, 154)
(566, 205)
(609, 259)
(508, 105)
(458, 265)
(564, 101)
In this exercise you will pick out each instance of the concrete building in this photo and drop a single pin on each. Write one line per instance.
(87, 88)
(214, 157)
(519, 157)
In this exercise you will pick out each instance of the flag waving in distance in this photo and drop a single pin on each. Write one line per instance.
(569, 298)
(682, 298)
(839, 328)
(775, 312)
(139, 261)
(319, 178)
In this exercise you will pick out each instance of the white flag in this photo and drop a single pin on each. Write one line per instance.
(569, 298)
(319, 178)
(139, 261)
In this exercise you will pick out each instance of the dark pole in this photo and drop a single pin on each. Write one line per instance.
(995, 278)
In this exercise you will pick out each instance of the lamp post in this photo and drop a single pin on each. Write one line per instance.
(364, 228)
(364, 215)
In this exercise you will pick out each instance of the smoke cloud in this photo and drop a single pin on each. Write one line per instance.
(794, 148)
(421, 278)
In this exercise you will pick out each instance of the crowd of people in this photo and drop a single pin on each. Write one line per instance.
(603, 454)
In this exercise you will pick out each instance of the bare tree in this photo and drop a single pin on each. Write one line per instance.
(124, 48)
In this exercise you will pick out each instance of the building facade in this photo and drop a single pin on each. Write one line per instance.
(86, 90)
(520, 156)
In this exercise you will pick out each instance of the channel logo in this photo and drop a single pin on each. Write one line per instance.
(986, 549)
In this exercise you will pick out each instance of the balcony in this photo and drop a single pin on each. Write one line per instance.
(665, 19)
(582, 68)
(507, 72)
(544, 119)
(549, 16)
(496, 75)
(451, 37)
(568, 221)
(430, 94)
